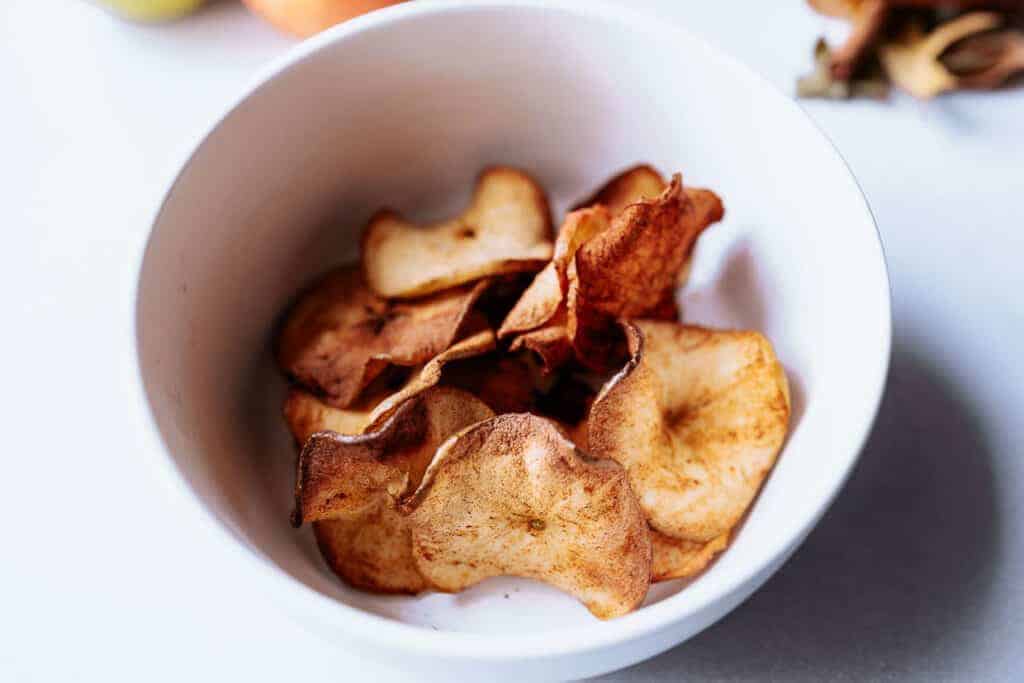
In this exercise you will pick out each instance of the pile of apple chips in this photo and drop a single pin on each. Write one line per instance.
(481, 398)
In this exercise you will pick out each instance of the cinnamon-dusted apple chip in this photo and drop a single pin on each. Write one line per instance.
(348, 486)
(543, 299)
(306, 414)
(506, 229)
(677, 558)
(429, 375)
(644, 182)
(626, 271)
(697, 418)
(513, 496)
(340, 475)
(339, 336)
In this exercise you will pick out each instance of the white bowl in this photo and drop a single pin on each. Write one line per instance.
(403, 107)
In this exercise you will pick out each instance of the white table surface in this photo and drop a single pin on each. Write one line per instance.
(917, 572)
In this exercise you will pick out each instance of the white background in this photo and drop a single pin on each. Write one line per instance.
(918, 571)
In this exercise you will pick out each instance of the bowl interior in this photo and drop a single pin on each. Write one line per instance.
(404, 113)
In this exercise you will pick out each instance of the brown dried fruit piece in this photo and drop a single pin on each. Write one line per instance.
(542, 300)
(339, 336)
(306, 414)
(644, 182)
(340, 475)
(676, 558)
(697, 417)
(506, 229)
(913, 61)
(627, 271)
(429, 375)
(348, 486)
(512, 496)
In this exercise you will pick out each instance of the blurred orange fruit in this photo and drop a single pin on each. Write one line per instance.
(306, 17)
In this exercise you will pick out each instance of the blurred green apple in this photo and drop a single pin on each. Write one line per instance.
(152, 10)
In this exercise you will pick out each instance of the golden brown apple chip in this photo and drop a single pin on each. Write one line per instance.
(372, 551)
(348, 486)
(339, 336)
(429, 375)
(697, 417)
(506, 229)
(676, 558)
(340, 475)
(644, 182)
(626, 271)
(307, 414)
(542, 300)
(512, 496)
(628, 187)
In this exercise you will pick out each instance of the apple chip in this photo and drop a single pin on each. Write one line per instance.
(348, 486)
(543, 299)
(306, 415)
(626, 271)
(506, 229)
(430, 375)
(629, 187)
(372, 551)
(340, 475)
(697, 417)
(677, 558)
(339, 336)
(512, 496)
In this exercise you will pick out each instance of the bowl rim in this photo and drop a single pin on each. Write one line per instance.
(387, 633)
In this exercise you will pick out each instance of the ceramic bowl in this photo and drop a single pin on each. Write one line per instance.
(402, 108)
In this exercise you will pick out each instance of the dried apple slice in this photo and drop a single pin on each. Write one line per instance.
(677, 558)
(506, 229)
(628, 187)
(340, 475)
(513, 496)
(429, 375)
(306, 414)
(339, 336)
(644, 182)
(627, 270)
(348, 486)
(543, 299)
(372, 551)
(697, 417)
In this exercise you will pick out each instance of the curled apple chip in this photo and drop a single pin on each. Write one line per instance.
(349, 486)
(505, 229)
(542, 301)
(339, 336)
(644, 182)
(697, 417)
(626, 271)
(628, 187)
(550, 344)
(306, 414)
(429, 375)
(340, 475)
(677, 558)
(513, 496)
